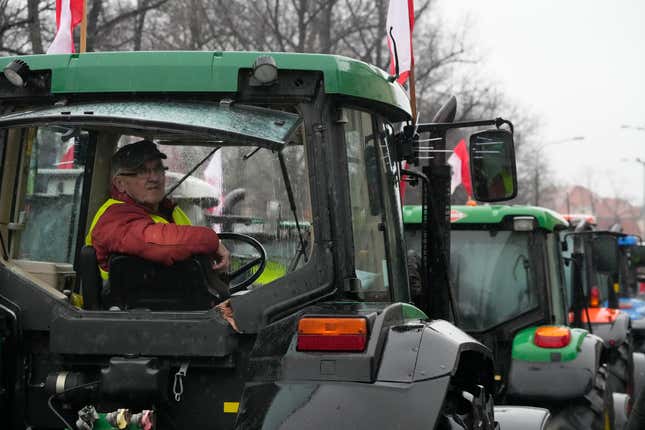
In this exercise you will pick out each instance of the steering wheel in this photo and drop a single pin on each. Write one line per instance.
(260, 262)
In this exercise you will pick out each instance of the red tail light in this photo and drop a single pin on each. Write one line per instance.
(552, 337)
(332, 334)
(594, 297)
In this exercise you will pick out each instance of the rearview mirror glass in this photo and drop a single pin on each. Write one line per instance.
(604, 250)
(492, 165)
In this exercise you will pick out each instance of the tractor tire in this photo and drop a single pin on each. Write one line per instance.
(620, 368)
(415, 274)
(595, 411)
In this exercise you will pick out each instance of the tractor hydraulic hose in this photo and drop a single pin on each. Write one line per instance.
(51, 399)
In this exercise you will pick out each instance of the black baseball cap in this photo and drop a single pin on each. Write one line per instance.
(135, 154)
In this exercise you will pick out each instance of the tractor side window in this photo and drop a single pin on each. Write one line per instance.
(3, 145)
(568, 267)
(47, 214)
(492, 275)
(242, 189)
(367, 208)
(556, 278)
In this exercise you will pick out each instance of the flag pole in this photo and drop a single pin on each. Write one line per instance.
(84, 28)
(413, 95)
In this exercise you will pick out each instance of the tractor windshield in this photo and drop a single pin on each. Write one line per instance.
(492, 276)
(239, 170)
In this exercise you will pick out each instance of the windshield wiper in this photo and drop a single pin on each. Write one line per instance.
(174, 187)
(302, 250)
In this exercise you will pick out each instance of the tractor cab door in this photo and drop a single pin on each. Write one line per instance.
(56, 175)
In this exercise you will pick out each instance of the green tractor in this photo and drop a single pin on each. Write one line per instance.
(304, 154)
(509, 292)
(598, 285)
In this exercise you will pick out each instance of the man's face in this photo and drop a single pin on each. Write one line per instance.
(145, 185)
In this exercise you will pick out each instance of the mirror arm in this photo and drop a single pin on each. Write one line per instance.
(438, 127)
(415, 174)
(407, 144)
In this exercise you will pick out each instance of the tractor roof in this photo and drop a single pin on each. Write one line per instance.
(203, 72)
(492, 214)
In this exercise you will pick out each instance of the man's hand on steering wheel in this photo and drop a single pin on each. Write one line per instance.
(222, 259)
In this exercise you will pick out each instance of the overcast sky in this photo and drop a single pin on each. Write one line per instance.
(580, 66)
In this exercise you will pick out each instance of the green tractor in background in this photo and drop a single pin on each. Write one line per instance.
(597, 274)
(509, 292)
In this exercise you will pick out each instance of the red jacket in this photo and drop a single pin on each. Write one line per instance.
(128, 228)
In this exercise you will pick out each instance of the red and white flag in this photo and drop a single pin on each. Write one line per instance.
(459, 161)
(67, 159)
(69, 13)
(400, 22)
(213, 174)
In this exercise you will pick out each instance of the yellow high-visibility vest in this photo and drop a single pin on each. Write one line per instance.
(178, 216)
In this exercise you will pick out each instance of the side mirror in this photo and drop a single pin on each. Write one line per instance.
(637, 256)
(604, 250)
(492, 165)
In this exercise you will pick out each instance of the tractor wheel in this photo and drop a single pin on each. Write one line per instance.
(414, 275)
(595, 411)
(620, 367)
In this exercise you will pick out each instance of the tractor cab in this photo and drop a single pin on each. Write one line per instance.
(506, 273)
(235, 169)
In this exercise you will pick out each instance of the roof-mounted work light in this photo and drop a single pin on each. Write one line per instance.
(523, 223)
(16, 72)
(265, 70)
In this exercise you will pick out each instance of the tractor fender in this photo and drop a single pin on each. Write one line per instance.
(338, 405)
(639, 325)
(521, 417)
(417, 363)
(435, 349)
(556, 380)
(621, 408)
(638, 333)
(438, 352)
(614, 333)
(639, 372)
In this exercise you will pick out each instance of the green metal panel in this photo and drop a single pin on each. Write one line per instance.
(411, 312)
(202, 71)
(525, 350)
(102, 424)
(412, 214)
(492, 214)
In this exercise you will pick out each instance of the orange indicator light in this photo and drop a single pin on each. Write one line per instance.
(332, 334)
(552, 337)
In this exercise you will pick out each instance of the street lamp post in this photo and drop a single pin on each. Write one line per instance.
(642, 163)
(536, 181)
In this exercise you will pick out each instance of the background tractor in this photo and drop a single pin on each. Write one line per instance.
(508, 285)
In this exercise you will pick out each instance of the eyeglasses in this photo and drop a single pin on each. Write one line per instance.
(144, 172)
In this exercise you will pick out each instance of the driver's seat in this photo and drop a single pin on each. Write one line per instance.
(136, 283)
